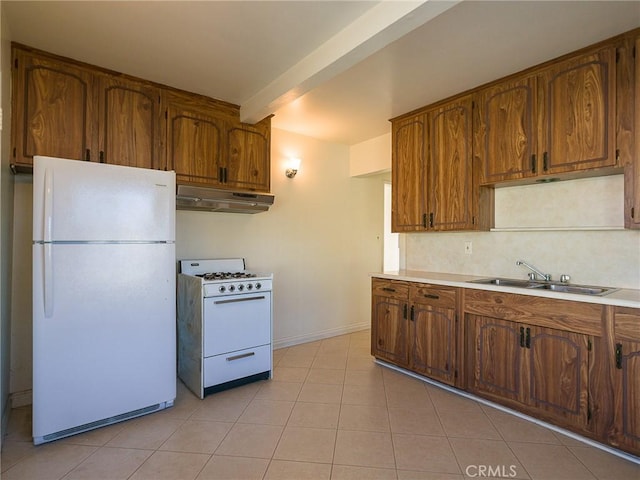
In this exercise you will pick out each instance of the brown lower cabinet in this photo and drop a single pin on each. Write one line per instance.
(573, 364)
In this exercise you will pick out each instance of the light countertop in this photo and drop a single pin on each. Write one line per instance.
(623, 297)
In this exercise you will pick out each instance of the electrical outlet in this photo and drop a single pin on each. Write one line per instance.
(468, 248)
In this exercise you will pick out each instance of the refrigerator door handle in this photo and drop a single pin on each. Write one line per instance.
(48, 206)
(47, 270)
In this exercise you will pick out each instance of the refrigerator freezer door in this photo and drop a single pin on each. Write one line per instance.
(79, 201)
(106, 343)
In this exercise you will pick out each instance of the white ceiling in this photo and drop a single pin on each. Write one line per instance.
(334, 70)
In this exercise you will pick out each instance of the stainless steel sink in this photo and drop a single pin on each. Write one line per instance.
(555, 287)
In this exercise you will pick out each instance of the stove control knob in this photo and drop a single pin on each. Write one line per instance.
(222, 289)
(249, 286)
(258, 286)
(240, 287)
(232, 288)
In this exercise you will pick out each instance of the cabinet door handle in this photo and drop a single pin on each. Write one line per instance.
(404, 311)
(619, 356)
(527, 341)
(388, 289)
(424, 220)
(101, 156)
(225, 174)
(87, 155)
(545, 161)
(431, 219)
(238, 357)
(522, 337)
(430, 295)
(533, 163)
(221, 174)
(412, 313)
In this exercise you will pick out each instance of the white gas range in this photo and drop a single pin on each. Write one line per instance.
(224, 324)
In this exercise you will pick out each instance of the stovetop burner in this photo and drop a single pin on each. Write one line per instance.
(225, 275)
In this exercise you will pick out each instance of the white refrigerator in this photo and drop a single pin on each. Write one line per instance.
(104, 323)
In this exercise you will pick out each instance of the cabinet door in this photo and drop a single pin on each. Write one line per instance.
(632, 171)
(496, 358)
(389, 330)
(627, 395)
(248, 158)
(558, 374)
(53, 109)
(505, 131)
(129, 126)
(433, 342)
(450, 166)
(408, 160)
(194, 146)
(578, 113)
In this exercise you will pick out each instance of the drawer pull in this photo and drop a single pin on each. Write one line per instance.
(618, 355)
(236, 300)
(388, 289)
(430, 295)
(238, 357)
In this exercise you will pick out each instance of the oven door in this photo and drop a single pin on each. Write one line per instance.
(236, 322)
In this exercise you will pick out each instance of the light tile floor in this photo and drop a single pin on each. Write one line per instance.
(329, 413)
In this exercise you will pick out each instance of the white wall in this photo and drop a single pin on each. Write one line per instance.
(371, 156)
(321, 238)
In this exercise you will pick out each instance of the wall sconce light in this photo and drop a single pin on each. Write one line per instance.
(294, 165)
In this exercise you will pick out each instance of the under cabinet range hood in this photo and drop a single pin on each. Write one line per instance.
(216, 200)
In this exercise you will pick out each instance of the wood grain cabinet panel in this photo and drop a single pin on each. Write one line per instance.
(130, 130)
(247, 160)
(629, 69)
(577, 99)
(390, 321)
(53, 109)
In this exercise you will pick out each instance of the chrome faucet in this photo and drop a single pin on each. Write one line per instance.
(532, 276)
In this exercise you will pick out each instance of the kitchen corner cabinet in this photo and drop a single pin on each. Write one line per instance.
(532, 354)
(557, 120)
(69, 111)
(626, 380)
(247, 161)
(414, 326)
(433, 177)
(630, 65)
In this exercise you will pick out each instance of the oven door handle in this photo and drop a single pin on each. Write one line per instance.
(238, 357)
(234, 300)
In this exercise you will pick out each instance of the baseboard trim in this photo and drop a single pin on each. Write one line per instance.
(312, 337)
(21, 399)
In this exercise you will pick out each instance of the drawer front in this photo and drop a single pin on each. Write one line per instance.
(627, 323)
(235, 365)
(437, 296)
(389, 288)
(566, 315)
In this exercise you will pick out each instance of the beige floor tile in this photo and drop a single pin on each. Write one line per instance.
(147, 432)
(234, 468)
(372, 394)
(425, 453)
(314, 415)
(360, 362)
(475, 452)
(335, 345)
(415, 475)
(364, 417)
(308, 349)
(303, 444)
(421, 421)
(110, 464)
(286, 470)
(171, 466)
(445, 400)
(568, 441)
(19, 426)
(336, 361)
(13, 452)
(606, 466)
(285, 391)
(326, 375)
(318, 393)
(348, 472)
(544, 461)
(197, 436)
(365, 449)
(51, 461)
(185, 404)
(513, 428)
(98, 437)
(250, 440)
(470, 424)
(290, 374)
(296, 360)
(221, 408)
(398, 381)
(267, 412)
(369, 377)
(414, 397)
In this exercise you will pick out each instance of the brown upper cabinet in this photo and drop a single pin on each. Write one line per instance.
(69, 111)
(557, 120)
(629, 63)
(72, 110)
(434, 180)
